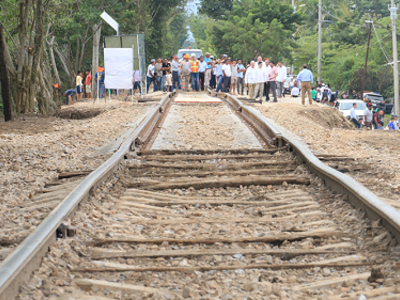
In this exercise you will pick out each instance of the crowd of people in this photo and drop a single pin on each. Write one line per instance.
(260, 77)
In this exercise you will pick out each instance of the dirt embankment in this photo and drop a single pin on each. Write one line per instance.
(325, 131)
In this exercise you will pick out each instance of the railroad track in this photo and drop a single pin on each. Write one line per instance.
(257, 222)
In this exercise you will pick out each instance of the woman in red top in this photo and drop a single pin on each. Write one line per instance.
(88, 85)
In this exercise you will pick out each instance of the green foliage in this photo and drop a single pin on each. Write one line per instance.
(247, 28)
(216, 9)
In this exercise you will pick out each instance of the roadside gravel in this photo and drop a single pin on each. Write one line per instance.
(322, 130)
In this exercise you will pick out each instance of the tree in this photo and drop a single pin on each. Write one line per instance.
(216, 9)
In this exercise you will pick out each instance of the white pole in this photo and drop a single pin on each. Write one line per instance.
(133, 89)
(145, 82)
(98, 86)
(319, 38)
(393, 15)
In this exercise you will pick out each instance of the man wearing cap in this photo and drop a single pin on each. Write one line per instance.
(368, 116)
(194, 72)
(175, 72)
(226, 70)
(185, 71)
(306, 78)
(207, 74)
(251, 78)
(150, 77)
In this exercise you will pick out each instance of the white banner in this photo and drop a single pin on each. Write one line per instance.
(118, 65)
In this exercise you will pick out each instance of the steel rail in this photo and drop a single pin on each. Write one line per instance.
(18, 266)
(359, 196)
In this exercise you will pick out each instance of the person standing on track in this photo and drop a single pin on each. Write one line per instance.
(185, 71)
(281, 79)
(165, 67)
(261, 78)
(306, 78)
(273, 74)
(194, 73)
(150, 77)
(207, 75)
(158, 74)
(241, 72)
(219, 75)
(175, 72)
(202, 71)
(251, 79)
(267, 87)
(226, 69)
(234, 78)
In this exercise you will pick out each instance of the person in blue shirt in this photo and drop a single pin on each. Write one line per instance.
(241, 70)
(391, 125)
(306, 78)
(68, 95)
(353, 116)
(99, 77)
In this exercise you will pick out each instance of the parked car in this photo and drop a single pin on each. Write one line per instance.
(376, 100)
(346, 105)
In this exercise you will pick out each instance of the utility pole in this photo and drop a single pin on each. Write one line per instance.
(319, 38)
(366, 59)
(393, 15)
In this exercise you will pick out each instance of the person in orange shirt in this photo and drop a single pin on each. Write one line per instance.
(88, 85)
(194, 73)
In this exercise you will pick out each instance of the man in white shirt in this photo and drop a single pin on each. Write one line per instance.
(353, 116)
(267, 87)
(151, 77)
(295, 92)
(280, 80)
(261, 78)
(202, 71)
(136, 81)
(226, 70)
(368, 116)
(251, 79)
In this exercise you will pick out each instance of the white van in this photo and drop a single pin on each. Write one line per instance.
(197, 52)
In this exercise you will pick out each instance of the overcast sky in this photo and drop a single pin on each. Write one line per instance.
(192, 8)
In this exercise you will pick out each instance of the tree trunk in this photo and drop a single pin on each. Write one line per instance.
(53, 60)
(5, 83)
(37, 57)
(95, 58)
(23, 21)
(84, 40)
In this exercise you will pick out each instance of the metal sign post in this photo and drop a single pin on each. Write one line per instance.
(114, 24)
